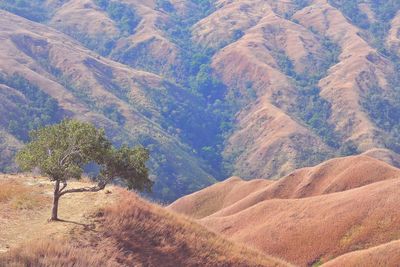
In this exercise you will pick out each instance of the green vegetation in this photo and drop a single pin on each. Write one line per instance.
(310, 107)
(30, 9)
(383, 107)
(203, 118)
(125, 17)
(384, 11)
(165, 5)
(352, 11)
(38, 110)
(61, 152)
(300, 4)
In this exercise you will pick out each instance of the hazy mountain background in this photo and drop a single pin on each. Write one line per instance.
(254, 88)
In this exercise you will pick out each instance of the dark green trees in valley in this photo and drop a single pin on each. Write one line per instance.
(62, 151)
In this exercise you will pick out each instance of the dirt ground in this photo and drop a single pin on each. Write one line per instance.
(25, 206)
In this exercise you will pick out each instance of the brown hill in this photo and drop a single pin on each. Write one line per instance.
(268, 47)
(303, 79)
(311, 215)
(336, 175)
(383, 255)
(146, 47)
(127, 230)
(217, 197)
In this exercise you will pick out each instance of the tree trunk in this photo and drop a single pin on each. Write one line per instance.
(54, 211)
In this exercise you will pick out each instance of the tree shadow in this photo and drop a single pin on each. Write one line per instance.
(86, 227)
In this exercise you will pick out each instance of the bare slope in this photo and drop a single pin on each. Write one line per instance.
(145, 46)
(311, 215)
(267, 51)
(107, 232)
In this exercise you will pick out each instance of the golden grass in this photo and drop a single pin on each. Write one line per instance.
(14, 194)
(302, 231)
(381, 256)
(335, 175)
(172, 239)
(133, 232)
(54, 254)
(310, 216)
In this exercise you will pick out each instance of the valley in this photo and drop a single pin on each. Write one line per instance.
(212, 88)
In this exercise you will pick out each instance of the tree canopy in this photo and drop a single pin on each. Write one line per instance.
(61, 152)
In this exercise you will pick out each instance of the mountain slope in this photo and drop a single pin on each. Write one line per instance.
(305, 72)
(311, 215)
(212, 88)
(87, 86)
(383, 255)
(126, 229)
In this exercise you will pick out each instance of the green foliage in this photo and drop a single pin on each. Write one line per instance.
(205, 7)
(310, 107)
(315, 112)
(352, 11)
(165, 5)
(384, 109)
(203, 118)
(99, 43)
(40, 109)
(300, 4)
(237, 34)
(125, 17)
(30, 9)
(349, 148)
(61, 151)
(128, 165)
(384, 11)
(207, 85)
(112, 112)
(285, 64)
(192, 109)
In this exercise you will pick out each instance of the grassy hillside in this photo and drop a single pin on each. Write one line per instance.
(128, 231)
(311, 216)
(212, 88)
(383, 255)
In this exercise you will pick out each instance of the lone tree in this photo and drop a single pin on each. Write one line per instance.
(61, 152)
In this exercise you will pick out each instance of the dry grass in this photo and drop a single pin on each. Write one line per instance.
(381, 256)
(131, 232)
(54, 254)
(234, 195)
(217, 197)
(150, 235)
(310, 216)
(302, 231)
(14, 194)
(26, 204)
(268, 140)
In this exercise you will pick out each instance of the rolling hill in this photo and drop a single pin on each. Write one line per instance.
(310, 216)
(213, 88)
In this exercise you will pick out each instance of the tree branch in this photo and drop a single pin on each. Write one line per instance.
(63, 187)
(100, 186)
(68, 155)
